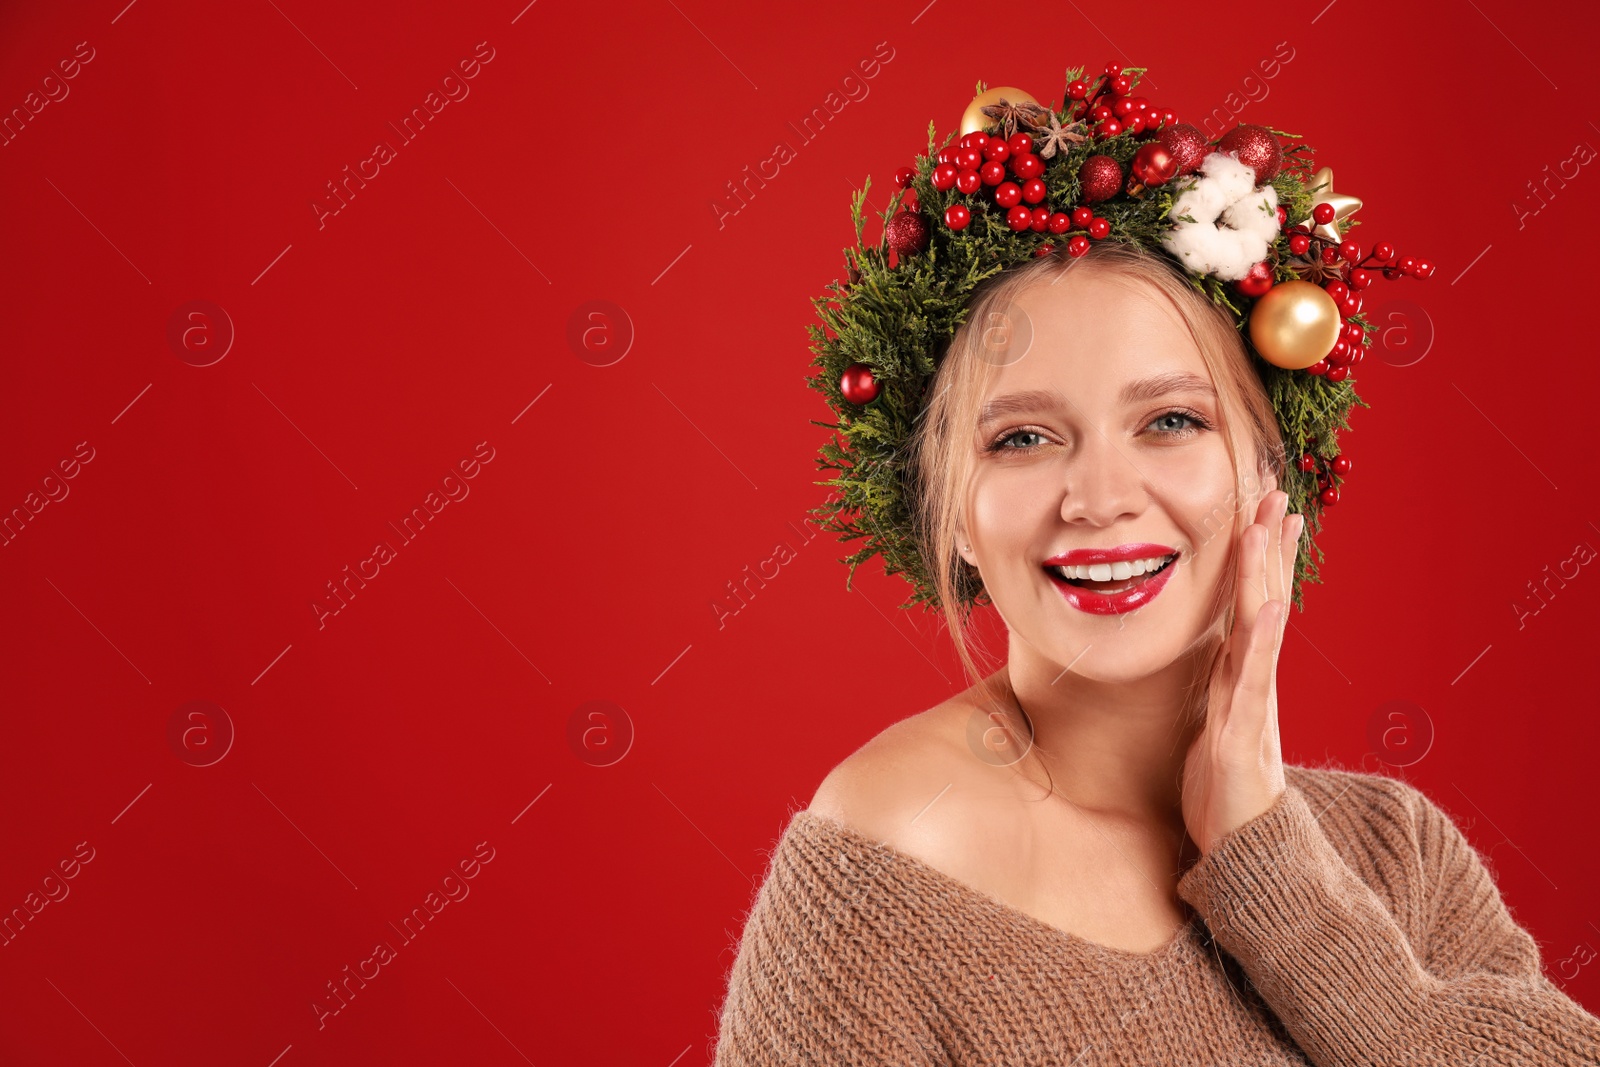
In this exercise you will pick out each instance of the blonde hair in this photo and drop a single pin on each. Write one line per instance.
(943, 455)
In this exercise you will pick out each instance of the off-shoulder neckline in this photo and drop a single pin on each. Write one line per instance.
(970, 896)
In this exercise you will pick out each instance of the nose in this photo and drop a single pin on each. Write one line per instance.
(1102, 484)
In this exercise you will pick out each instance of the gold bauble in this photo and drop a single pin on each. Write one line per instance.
(1294, 324)
(974, 118)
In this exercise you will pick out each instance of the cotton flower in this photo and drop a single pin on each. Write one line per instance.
(1234, 222)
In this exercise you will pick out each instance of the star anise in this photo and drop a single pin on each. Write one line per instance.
(1053, 136)
(1008, 115)
(1314, 270)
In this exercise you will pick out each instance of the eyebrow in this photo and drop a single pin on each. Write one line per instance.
(1144, 389)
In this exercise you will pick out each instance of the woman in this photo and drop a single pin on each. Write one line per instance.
(1096, 854)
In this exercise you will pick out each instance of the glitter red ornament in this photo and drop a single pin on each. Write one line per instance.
(1257, 148)
(1101, 177)
(907, 232)
(1187, 145)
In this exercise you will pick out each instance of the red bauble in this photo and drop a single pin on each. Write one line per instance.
(1257, 148)
(907, 233)
(859, 385)
(1101, 177)
(1154, 165)
(1187, 145)
(1257, 282)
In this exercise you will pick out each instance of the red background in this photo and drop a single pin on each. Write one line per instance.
(371, 354)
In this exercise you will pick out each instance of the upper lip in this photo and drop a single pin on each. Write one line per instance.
(1081, 557)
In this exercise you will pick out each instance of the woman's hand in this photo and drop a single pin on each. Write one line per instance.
(1234, 768)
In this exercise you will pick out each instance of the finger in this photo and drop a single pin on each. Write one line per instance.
(1294, 525)
(1274, 561)
(1251, 590)
(1250, 709)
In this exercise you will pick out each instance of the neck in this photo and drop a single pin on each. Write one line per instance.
(1111, 748)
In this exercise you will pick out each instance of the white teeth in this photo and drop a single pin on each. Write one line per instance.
(1113, 572)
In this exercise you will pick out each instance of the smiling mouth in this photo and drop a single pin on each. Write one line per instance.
(1111, 585)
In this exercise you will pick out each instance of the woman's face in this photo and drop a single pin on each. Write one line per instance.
(1113, 446)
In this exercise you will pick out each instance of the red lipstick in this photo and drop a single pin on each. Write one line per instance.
(1089, 601)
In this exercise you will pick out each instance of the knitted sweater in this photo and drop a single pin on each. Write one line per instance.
(1350, 924)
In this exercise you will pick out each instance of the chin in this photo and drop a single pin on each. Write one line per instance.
(1119, 656)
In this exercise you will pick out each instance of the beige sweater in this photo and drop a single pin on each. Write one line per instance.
(1351, 923)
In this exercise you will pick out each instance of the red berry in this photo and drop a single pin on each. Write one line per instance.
(904, 177)
(968, 159)
(1060, 222)
(1082, 216)
(1100, 113)
(946, 155)
(1338, 374)
(1078, 245)
(976, 139)
(1329, 253)
(967, 181)
(956, 216)
(1121, 85)
(1424, 269)
(1027, 165)
(1099, 229)
(1329, 496)
(1340, 464)
(992, 172)
(1350, 250)
(1077, 90)
(997, 150)
(1306, 462)
(1019, 218)
(1320, 367)
(1323, 213)
(1337, 289)
(1283, 216)
(1007, 194)
(1360, 279)
(1299, 243)
(1383, 250)
(1108, 128)
(1033, 190)
(1020, 144)
(1408, 264)
(1041, 219)
(944, 176)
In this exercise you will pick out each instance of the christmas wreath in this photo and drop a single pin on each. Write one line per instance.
(1244, 216)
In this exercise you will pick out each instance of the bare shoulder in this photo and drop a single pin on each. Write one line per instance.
(917, 786)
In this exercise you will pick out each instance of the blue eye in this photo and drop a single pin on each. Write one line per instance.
(999, 443)
(1182, 413)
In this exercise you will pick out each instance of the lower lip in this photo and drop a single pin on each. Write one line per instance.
(1093, 603)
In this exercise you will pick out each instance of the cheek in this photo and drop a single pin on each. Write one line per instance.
(1008, 502)
(1198, 484)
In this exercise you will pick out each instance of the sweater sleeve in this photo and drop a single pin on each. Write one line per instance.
(1340, 973)
(816, 980)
